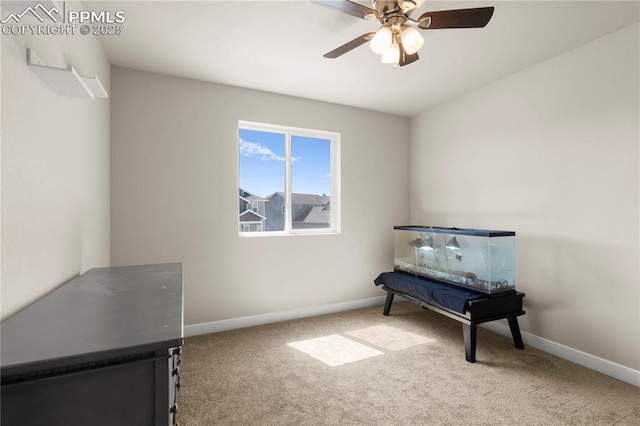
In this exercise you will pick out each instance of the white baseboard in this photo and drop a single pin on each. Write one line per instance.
(592, 362)
(250, 321)
(601, 365)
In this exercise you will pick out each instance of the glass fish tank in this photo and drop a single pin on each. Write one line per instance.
(476, 259)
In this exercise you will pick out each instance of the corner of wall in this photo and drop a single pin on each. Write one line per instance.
(55, 168)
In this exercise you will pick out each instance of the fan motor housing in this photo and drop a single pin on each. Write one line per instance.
(386, 7)
(391, 12)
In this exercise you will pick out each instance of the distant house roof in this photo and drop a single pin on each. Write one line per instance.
(256, 198)
(251, 216)
(306, 199)
(318, 214)
(244, 193)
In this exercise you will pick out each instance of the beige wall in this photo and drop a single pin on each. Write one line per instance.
(551, 153)
(55, 170)
(174, 186)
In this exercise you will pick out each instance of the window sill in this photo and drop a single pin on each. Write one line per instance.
(287, 234)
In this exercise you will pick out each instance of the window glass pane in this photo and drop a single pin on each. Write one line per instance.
(286, 180)
(310, 182)
(262, 180)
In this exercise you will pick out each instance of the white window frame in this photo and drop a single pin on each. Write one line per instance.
(289, 132)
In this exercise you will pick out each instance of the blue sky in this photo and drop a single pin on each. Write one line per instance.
(262, 165)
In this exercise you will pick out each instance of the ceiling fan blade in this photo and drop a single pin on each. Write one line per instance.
(405, 58)
(349, 46)
(349, 7)
(461, 18)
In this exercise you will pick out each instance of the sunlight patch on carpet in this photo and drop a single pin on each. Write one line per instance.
(335, 350)
(389, 338)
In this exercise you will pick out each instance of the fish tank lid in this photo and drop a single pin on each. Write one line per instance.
(460, 231)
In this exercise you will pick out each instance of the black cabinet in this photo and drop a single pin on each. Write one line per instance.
(103, 349)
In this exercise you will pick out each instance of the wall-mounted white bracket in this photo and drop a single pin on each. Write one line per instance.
(95, 86)
(66, 81)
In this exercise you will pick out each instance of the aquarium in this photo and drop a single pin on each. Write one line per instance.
(477, 259)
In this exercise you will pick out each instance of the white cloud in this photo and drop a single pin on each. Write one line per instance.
(254, 149)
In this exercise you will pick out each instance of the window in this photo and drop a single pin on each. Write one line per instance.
(294, 173)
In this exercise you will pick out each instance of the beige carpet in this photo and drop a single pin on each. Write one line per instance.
(255, 376)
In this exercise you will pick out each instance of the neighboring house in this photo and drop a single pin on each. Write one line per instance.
(308, 211)
(256, 204)
(318, 217)
(251, 210)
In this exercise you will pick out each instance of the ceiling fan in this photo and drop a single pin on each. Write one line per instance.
(397, 40)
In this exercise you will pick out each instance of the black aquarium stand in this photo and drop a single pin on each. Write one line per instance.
(469, 308)
(102, 349)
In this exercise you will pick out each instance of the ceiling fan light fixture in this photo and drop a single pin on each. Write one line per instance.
(397, 40)
(382, 40)
(392, 54)
(412, 40)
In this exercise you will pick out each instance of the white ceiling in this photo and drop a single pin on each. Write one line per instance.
(277, 46)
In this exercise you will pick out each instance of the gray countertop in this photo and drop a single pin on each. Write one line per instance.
(104, 312)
